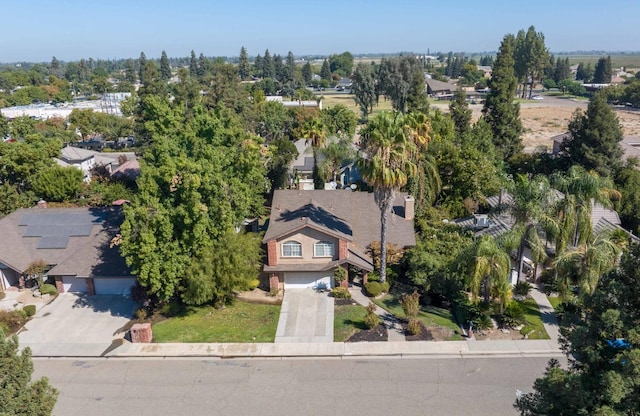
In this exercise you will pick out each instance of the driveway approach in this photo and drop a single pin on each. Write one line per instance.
(305, 316)
(77, 325)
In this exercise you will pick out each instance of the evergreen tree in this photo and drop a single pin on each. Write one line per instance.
(499, 111)
(268, 67)
(595, 137)
(460, 112)
(18, 394)
(602, 72)
(290, 68)
(278, 68)
(204, 66)
(244, 69)
(307, 73)
(325, 71)
(562, 70)
(364, 88)
(193, 65)
(602, 347)
(258, 66)
(142, 63)
(130, 71)
(165, 68)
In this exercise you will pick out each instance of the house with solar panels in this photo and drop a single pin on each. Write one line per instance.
(74, 243)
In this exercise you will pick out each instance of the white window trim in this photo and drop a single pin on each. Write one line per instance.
(324, 243)
(290, 242)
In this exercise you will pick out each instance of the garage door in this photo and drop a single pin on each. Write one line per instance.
(74, 285)
(301, 280)
(113, 286)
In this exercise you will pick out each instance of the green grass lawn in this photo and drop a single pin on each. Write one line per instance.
(429, 315)
(239, 322)
(555, 301)
(347, 320)
(532, 314)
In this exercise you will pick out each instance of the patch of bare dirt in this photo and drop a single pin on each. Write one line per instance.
(427, 333)
(377, 333)
(260, 296)
(497, 335)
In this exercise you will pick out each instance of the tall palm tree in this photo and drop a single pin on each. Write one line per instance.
(582, 189)
(334, 154)
(585, 264)
(386, 164)
(532, 198)
(489, 265)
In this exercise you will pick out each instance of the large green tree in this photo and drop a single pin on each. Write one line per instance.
(165, 67)
(460, 112)
(603, 352)
(244, 68)
(19, 395)
(364, 88)
(198, 181)
(531, 58)
(602, 71)
(595, 137)
(500, 111)
(386, 164)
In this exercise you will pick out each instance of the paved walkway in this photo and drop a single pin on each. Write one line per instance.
(548, 315)
(394, 328)
(305, 316)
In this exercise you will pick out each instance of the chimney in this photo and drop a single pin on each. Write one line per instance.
(409, 207)
(42, 203)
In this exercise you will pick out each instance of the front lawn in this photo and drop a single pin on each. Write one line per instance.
(534, 319)
(347, 320)
(239, 322)
(555, 301)
(430, 316)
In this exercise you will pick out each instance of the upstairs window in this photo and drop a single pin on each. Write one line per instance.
(291, 249)
(323, 249)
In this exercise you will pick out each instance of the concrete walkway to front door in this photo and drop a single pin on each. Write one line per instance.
(305, 316)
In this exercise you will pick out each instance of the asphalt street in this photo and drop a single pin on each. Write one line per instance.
(427, 386)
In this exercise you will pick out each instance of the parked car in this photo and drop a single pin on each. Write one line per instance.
(537, 97)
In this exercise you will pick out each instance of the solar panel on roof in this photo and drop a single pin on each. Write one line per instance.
(53, 242)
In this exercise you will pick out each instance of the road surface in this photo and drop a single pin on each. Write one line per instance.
(187, 387)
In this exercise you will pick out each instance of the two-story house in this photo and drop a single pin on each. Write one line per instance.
(310, 233)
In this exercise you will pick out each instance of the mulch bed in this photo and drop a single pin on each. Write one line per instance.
(377, 333)
(423, 335)
(344, 302)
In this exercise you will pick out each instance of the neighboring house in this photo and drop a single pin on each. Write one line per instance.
(344, 84)
(80, 158)
(487, 71)
(440, 90)
(310, 233)
(557, 142)
(302, 166)
(129, 169)
(75, 243)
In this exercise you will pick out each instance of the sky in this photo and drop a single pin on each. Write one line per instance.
(37, 30)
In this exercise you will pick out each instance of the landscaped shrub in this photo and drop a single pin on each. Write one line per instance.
(254, 284)
(339, 275)
(413, 326)
(141, 314)
(522, 289)
(410, 304)
(373, 288)
(30, 310)
(373, 277)
(514, 315)
(526, 330)
(341, 293)
(13, 320)
(371, 319)
(47, 289)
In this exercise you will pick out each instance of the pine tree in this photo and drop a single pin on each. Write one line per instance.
(325, 71)
(244, 70)
(460, 113)
(595, 137)
(129, 71)
(307, 73)
(165, 68)
(193, 65)
(499, 111)
(602, 74)
(268, 68)
(142, 63)
(18, 394)
(290, 67)
(258, 66)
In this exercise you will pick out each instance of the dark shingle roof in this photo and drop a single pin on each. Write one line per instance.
(346, 214)
(82, 255)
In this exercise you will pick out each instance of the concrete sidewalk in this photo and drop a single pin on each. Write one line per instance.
(394, 328)
(444, 349)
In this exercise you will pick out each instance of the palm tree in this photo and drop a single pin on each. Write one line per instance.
(529, 208)
(489, 264)
(585, 264)
(386, 164)
(334, 154)
(582, 189)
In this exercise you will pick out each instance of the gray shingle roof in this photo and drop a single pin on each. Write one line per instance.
(82, 256)
(350, 215)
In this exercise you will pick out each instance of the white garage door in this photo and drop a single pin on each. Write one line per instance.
(301, 280)
(74, 285)
(113, 286)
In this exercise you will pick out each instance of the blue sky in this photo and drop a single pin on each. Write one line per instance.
(36, 30)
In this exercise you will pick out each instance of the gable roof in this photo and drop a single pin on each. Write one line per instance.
(434, 86)
(349, 215)
(75, 154)
(75, 241)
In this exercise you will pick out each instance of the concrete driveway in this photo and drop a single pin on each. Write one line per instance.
(76, 325)
(305, 316)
